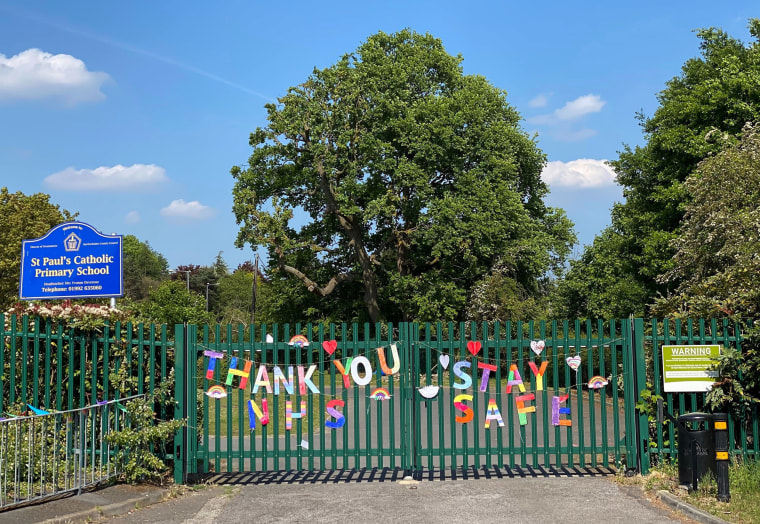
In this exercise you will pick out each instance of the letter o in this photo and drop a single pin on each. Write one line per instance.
(367, 378)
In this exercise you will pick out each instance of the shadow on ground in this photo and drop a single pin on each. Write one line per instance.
(396, 474)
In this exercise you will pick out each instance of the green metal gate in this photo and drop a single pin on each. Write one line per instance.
(347, 396)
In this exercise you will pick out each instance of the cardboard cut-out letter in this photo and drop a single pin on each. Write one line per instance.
(279, 378)
(254, 411)
(345, 373)
(213, 356)
(522, 410)
(262, 379)
(304, 380)
(487, 368)
(464, 408)
(466, 378)
(359, 379)
(340, 420)
(493, 413)
(384, 363)
(514, 379)
(289, 415)
(557, 411)
(244, 374)
(539, 373)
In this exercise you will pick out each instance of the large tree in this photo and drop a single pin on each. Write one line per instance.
(144, 267)
(410, 180)
(22, 217)
(700, 111)
(717, 261)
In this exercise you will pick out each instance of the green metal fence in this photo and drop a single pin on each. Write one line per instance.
(61, 368)
(380, 418)
(374, 414)
(744, 434)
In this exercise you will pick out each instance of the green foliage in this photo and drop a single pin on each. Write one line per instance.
(701, 111)
(146, 439)
(601, 283)
(717, 268)
(415, 178)
(236, 296)
(499, 297)
(647, 405)
(143, 267)
(22, 217)
(737, 387)
(170, 303)
(83, 317)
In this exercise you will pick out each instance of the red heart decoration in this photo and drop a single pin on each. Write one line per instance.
(330, 346)
(474, 347)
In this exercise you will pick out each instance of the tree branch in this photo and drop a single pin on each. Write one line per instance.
(313, 286)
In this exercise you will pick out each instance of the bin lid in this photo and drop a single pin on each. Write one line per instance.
(695, 417)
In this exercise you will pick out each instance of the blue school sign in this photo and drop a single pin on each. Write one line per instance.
(73, 260)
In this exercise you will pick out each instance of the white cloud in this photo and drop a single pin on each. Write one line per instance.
(573, 110)
(133, 217)
(583, 105)
(581, 173)
(539, 101)
(181, 209)
(137, 177)
(34, 74)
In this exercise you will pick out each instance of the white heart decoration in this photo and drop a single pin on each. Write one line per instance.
(444, 360)
(537, 346)
(574, 362)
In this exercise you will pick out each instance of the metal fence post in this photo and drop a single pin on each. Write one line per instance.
(180, 410)
(640, 383)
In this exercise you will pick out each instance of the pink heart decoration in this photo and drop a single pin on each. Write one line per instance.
(330, 346)
(537, 346)
(474, 347)
(574, 362)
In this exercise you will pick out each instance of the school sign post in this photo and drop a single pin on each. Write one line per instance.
(73, 260)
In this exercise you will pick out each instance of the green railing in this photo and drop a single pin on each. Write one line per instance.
(53, 367)
(744, 434)
(406, 431)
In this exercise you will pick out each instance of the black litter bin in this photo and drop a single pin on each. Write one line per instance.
(698, 440)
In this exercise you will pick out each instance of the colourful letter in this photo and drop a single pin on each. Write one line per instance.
(213, 356)
(487, 368)
(464, 408)
(262, 379)
(493, 413)
(539, 373)
(304, 379)
(340, 420)
(364, 362)
(466, 378)
(289, 415)
(383, 364)
(343, 372)
(514, 379)
(557, 411)
(254, 411)
(522, 410)
(242, 374)
(279, 377)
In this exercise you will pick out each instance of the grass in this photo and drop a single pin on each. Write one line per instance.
(744, 486)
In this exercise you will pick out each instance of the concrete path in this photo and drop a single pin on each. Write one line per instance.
(524, 500)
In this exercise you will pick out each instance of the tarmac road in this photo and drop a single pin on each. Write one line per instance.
(569, 499)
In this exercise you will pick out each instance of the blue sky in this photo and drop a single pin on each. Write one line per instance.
(132, 113)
